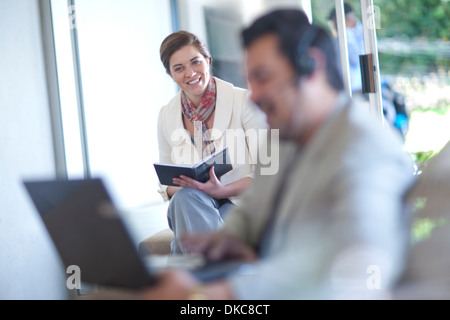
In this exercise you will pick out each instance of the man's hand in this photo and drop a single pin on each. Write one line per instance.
(171, 285)
(218, 246)
(180, 285)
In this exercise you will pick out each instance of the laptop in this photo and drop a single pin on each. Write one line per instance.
(88, 232)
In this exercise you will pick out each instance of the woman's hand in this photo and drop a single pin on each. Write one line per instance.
(213, 187)
(171, 191)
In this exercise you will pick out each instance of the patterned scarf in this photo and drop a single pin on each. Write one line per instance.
(199, 115)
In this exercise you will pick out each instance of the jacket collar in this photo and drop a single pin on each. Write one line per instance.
(224, 108)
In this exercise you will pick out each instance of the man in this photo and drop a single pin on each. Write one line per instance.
(355, 44)
(329, 224)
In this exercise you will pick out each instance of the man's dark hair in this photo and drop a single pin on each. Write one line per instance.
(292, 28)
(347, 9)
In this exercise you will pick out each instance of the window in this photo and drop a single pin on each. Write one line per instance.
(123, 86)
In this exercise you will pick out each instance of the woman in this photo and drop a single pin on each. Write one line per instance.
(193, 125)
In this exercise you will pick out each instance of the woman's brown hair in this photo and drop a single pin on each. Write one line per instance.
(175, 42)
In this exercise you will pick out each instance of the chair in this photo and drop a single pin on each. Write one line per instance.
(159, 243)
(427, 274)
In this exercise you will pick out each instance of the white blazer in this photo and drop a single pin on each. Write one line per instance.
(236, 121)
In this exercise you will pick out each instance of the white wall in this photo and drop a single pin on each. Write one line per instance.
(29, 267)
(192, 14)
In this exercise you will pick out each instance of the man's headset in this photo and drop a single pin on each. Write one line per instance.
(303, 62)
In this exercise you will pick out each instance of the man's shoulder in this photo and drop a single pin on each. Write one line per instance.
(358, 129)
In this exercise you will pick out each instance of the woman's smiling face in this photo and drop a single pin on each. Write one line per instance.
(190, 70)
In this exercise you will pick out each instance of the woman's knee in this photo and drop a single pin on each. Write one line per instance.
(191, 203)
(186, 194)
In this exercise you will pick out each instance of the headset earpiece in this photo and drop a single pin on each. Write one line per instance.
(304, 63)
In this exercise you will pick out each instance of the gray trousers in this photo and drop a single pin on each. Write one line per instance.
(192, 211)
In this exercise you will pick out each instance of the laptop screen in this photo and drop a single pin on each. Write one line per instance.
(88, 232)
